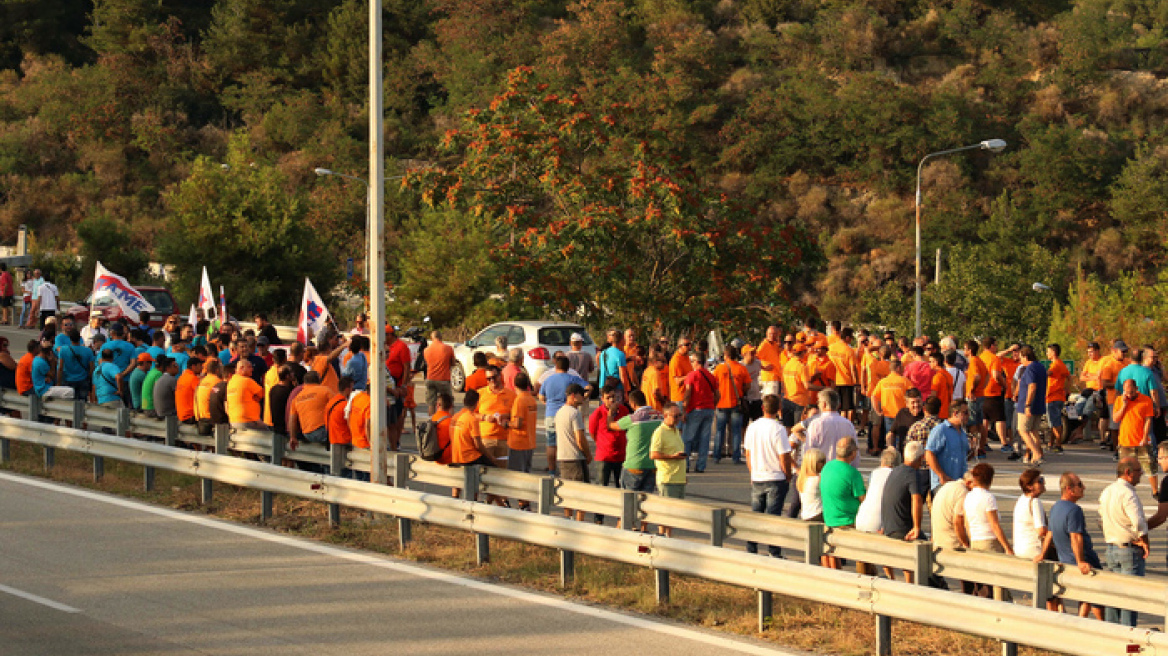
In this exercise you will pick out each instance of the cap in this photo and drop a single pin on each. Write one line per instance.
(262, 341)
(1119, 345)
(576, 337)
(145, 357)
(749, 348)
(390, 329)
(800, 349)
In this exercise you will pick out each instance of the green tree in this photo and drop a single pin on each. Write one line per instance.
(105, 240)
(247, 226)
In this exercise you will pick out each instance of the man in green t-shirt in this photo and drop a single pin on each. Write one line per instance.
(841, 488)
(639, 473)
(152, 376)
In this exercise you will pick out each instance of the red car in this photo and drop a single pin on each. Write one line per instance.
(109, 309)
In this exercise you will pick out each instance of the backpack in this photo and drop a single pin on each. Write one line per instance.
(428, 444)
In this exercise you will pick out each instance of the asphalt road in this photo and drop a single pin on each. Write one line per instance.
(85, 573)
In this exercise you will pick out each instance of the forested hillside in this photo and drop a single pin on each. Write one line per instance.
(775, 141)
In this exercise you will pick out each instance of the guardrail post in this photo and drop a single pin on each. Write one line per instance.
(567, 567)
(923, 568)
(78, 413)
(547, 494)
(222, 439)
(34, 407)
(766, 610)
(337, 453)
(814, 549)
(98, 468)
(1008, 648)
(5, 450)
(718, 517)
(472, 477)
(1043, 583)
(268, 499)
(883, 635)
(482, 548)
(662, 579)
(630, 511)
(172, 431)
(122, 427)
(401, 479)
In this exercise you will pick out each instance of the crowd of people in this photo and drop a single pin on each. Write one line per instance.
(797, 409)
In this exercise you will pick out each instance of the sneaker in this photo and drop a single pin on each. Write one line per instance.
(981, 455)
(1056, 448)
(1038, 463)
(1103, 446)
(1013, 456)
(1007, 449)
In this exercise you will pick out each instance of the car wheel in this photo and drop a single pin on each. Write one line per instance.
(457, 377)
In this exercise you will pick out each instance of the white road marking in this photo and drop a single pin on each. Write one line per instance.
(397, 566)
(36, 599)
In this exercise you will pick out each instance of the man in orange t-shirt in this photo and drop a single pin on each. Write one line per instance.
(994, 406)
(888, 398)
(795, 386)
(976, 378)
(466, 444)
(442, 419)
(24, 384)
(847, 369)
(1109, 368)
(185, 390)
(733, 384)
(338, 426)
(942, 384)
(1056, 393)
(439, 359)
(522, 425)
(244, 397)
(494, 411)
(770, 354)
(655, 382)
(307, 417)
(679, 368)
(1133, 412)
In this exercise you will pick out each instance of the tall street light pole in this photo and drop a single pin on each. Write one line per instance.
(377, 373)
(992, 145)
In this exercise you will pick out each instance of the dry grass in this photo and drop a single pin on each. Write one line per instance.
(797, 623)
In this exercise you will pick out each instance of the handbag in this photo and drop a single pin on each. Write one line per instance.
(742, 403)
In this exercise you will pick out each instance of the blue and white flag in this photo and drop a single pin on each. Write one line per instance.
(313, 314)
(108, 283)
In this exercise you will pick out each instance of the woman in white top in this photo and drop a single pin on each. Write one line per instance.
(807, 483)
(1029, 516)
(868, 516)
(981, 514)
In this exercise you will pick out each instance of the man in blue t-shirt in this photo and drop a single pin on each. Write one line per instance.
(75, 361)
(107, 378)
(1068, 533)
(554, 394)
(1030, 404)
(947, 447)
(613, 363)
(123, 351)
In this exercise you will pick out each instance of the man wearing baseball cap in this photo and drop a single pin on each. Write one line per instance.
(1109, 368)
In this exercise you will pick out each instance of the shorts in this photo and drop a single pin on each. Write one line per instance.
(769, 387)
(520, 460)
(497, 448)
(409, 401)
(1029, 424)
(672, 490)
(573, 470)
(434, 388)
(992, 546)
(481, 460)
(645, 481)
(5, 301)
(393, 411)
(318, 436)
(976, 416)
(847, 396)
(549, 430)
(792, 414)
(994, 409)
(1054, 413)
(1143, 454)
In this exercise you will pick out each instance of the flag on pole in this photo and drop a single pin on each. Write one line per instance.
(222, 305)
(313, 314)
(206, 296)
(108, 283)
(193, 318)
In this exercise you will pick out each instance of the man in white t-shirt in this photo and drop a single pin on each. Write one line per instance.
(768, 455)
(48, 297)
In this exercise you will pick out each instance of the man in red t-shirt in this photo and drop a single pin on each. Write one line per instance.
(7, 291)
(700, 395)
(399, 363)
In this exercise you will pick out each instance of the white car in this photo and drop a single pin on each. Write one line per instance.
(538, 339)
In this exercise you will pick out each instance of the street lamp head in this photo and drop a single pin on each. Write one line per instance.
(320, 171)
(994, 145)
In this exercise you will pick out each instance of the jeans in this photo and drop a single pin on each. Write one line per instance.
(889, 439)
(1124, 560)
(768, 497)
(696, 435)
(734, 418)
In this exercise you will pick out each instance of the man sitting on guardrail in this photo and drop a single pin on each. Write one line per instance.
(841, 489)
(164, 389)
(43, 378)
(1068, 533)
(902, 509)
(106, 381)
(244, 396)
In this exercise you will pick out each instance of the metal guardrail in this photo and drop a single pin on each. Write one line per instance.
(1009, 623)
(720, 524)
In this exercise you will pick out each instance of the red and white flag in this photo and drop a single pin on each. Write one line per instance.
(313, 314)
(206, 296)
